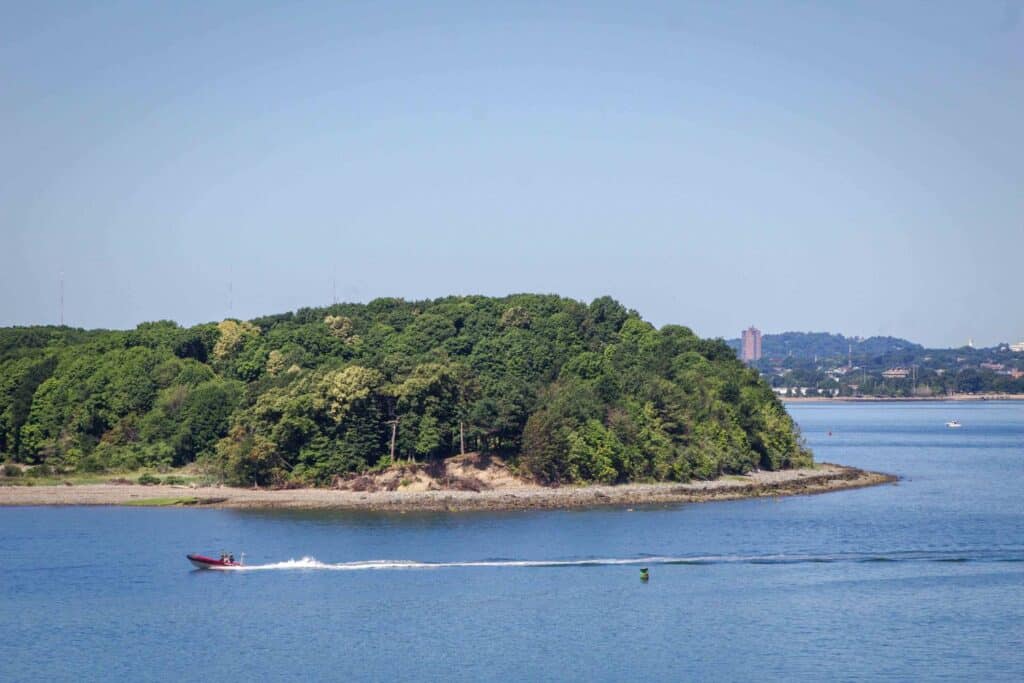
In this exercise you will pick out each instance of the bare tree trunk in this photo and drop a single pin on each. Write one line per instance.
(394, 431)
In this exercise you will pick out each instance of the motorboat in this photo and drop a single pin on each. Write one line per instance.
(226, 561)
(953, 424)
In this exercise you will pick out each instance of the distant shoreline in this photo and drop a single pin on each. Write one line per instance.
(823, 478)
(893, 399)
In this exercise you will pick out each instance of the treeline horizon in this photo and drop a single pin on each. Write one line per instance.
(569, 391)
(799, 359)
(836, 344)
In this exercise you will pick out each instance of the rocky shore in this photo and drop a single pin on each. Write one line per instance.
(508, 496)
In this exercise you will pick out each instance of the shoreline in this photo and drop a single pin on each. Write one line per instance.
(823, 478)
(902, 399)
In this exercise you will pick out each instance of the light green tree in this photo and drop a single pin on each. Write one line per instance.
(340, 389)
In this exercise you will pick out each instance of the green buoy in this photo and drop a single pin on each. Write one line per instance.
(644, 576)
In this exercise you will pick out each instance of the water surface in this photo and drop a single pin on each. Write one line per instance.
(919, 580)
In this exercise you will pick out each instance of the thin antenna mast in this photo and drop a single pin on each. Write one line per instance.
(62, 298)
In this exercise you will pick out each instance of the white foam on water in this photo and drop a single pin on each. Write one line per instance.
(311, 563)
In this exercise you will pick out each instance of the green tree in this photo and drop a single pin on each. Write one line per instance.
(570, 392)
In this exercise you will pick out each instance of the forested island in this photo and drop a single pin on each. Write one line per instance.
(565, 392)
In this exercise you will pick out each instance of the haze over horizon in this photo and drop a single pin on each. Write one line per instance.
(852, 169)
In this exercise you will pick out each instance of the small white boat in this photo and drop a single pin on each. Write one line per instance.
(953, 424)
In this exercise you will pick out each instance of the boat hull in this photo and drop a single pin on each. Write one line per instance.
(203, 562)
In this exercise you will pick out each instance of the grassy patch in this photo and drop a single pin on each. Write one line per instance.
(56, 480)
(175, 477)
(163, 502)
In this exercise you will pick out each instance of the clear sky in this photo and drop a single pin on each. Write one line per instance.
(829, 166)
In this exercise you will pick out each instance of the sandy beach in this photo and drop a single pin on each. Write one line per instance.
(823, 478)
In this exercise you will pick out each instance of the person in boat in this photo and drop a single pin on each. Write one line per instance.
(231, 558)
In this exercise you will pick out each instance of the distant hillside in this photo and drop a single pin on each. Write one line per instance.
(826, 345)
(885, 366)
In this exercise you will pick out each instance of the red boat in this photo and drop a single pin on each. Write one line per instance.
(202, 562)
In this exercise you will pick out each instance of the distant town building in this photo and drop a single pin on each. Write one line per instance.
(993, 366)
(896, 373)
(1018, 347)
(750, 346)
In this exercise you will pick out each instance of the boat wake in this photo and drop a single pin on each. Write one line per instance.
(311, 563)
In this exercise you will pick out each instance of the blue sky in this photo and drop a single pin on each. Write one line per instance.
(850, 167)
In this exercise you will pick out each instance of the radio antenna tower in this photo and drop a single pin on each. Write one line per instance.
(334, 291)
(62, 298)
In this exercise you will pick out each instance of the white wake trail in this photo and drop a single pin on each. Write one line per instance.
(313, 563)
(952, 555)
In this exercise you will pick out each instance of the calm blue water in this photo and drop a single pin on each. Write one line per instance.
(920, 580)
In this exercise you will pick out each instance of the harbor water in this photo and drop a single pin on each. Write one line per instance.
(918, 580)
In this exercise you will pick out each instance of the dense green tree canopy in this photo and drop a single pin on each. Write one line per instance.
(571, 392)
